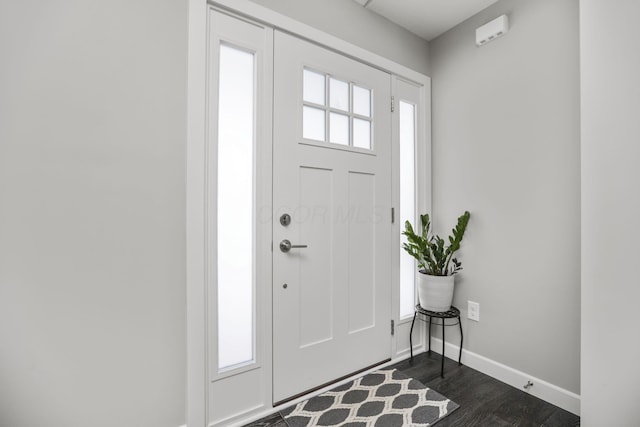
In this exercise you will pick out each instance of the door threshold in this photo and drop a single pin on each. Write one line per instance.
(337, 380)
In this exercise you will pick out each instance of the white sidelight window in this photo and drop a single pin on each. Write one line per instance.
(407, 127)
(235, 207)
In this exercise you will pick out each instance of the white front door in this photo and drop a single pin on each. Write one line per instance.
(332, 183)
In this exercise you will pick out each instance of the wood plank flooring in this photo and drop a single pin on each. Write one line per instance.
(484, 401)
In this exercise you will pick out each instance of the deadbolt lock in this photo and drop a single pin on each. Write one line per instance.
(285, 219)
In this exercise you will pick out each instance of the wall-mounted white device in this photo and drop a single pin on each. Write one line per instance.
(492, 30)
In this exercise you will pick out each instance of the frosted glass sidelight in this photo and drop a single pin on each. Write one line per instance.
(407, 204)
(313, 123)
(339, 94)
(235, 254)
(361, 101)
(339, 129)
(313, 87)
(362, 133)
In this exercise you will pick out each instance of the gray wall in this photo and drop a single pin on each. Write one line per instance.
(349, 21)
(92, 222)
(610, 66)
(506, 147)
(92, 200)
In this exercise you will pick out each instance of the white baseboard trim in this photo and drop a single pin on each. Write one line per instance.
(544, 390)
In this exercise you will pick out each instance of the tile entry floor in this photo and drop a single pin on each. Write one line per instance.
(484, 401)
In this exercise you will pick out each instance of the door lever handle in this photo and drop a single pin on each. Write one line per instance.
(286, 246)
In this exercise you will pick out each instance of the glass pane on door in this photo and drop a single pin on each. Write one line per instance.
(339, 94)
(362, 133)
(313, 87)
(313, 123)
(361, 101)
(339, 129)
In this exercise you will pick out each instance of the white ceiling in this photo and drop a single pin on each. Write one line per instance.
(426, 18)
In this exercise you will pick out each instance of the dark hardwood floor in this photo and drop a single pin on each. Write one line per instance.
(484, 401)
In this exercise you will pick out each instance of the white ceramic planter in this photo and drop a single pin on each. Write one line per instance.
(435, 293)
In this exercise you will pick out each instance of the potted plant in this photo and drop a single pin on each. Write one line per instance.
(436, 264)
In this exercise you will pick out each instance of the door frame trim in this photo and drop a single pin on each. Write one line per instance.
(196, 387)
(197, 77)
(277, 21)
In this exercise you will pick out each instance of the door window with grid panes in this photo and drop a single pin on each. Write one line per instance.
(336, 111)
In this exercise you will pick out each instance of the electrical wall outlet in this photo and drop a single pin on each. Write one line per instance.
(473, 311)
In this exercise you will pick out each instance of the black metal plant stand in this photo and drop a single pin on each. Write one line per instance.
(452, 313)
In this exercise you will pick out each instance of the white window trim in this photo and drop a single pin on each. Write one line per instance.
(422, 175)
(195, 209)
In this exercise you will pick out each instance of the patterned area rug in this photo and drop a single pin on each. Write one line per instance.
(384, 398)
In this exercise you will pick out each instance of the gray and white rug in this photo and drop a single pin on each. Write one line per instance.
(384, 398)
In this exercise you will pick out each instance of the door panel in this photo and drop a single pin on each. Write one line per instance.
(332, 298)
(361, 244)
(316, 302)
